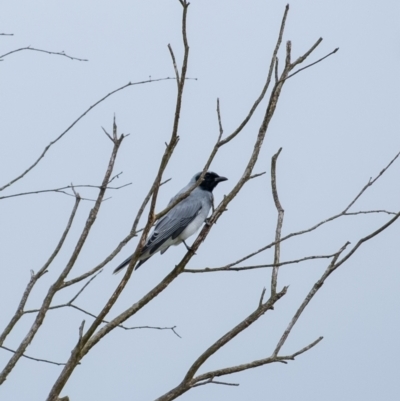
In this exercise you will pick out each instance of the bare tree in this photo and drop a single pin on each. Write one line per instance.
(100, 324)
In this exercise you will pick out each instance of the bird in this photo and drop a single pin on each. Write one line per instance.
(182, 221)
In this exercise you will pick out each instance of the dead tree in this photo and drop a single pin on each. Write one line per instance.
(97, 326)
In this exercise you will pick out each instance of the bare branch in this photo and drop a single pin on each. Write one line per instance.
(75, 122)
(6, 34)
(315, 62)
(221, 130)
(365, 239)
(70, 304)
(81, 327)
(42, 51)
(305, 55)
(307, 300)
(174, 64)
(314, 227)
(116, 176)
(330, 269)
(370, 183)
(265, 88)
(84, 287)
(262, 297)
(244, 268)
(189, 380)
(253, 317)
(276, 70)
(108, 135)
(369, 212)
(305, 349)
(211, 381)
(32, 358)
(80, 349)
(256, 175)
(62, 190)
(254, 364)
(274, 276)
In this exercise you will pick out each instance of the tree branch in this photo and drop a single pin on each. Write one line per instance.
(254, 364)
(188, 381)
(244, 268)
(61, 190)
(274, 276)
(81, 348)
(315, 62)
(42, 155)
(42, 51)
(32, 358)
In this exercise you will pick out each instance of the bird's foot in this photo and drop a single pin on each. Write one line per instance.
(207, 221)
(189, 248)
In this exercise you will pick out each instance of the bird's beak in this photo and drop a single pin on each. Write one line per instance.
(220, 179)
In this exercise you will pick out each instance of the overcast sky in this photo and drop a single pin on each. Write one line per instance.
(338, 124)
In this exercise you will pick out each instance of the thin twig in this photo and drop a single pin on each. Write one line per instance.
(370, 183)
(43, 51)
(221, 130)
(244, 268)
(62, 190)
(211, 381)
(108, 135)
(116, 176)
(32, 358)
(256, 175)
(70, 304)
(365, 239)
(174, 64)
(305, 349)
(369, 212)
(305, 55)
(315, 62)
(251, 365)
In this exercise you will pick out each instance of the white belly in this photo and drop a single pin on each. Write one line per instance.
(192, 227)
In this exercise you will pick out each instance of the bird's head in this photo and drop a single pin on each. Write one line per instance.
(210, 180)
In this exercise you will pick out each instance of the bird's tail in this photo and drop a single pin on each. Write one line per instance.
(126, 263)
(122, 265)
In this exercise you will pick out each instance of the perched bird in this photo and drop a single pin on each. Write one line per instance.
(182, 221)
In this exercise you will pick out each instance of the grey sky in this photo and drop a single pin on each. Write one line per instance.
(338, 124)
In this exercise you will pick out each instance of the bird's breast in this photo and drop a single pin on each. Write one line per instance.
(196, 223)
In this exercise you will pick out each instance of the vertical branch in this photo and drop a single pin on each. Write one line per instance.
(274, 276)
(221, 130)
(76, 353)
(174, 136)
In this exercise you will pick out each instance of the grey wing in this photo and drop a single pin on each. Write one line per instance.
(173, 223)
